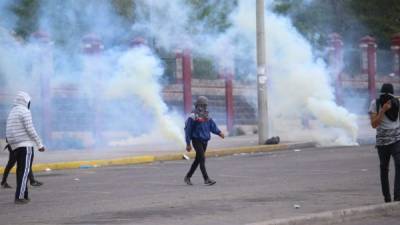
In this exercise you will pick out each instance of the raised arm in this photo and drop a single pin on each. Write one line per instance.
(376, 118)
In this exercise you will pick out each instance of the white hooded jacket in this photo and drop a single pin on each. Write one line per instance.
(20, 131)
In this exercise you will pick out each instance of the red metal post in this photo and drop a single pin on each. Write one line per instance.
(46, 71)
(368, 63)
(92, 44)
(179, 67)
(137, 42)
(336, 63)
(396, 53)
(187, 81)
(229, 100)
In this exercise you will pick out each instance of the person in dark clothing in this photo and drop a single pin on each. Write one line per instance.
(12, 160)
(384, 115)
(197, 130)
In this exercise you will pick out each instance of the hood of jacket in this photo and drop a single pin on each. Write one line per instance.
(22, 99)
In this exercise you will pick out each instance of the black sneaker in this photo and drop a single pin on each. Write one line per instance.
(187, 181)
(36, 183)
(5, 185)
(209, 182)
(21, 201)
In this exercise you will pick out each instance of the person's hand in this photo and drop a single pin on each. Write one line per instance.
(222, 135)
(188, 148)
(42, 149)
(387, 106)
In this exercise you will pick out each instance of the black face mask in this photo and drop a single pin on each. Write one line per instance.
(29, 105)
(201, 111)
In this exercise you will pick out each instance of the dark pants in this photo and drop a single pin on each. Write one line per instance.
(384, 153)
(12, 159)
(24, 161)
(200, 147)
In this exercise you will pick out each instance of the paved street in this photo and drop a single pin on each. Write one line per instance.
(250, 188)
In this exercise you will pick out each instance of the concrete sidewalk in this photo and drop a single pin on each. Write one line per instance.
(146, 153)
(339, 216)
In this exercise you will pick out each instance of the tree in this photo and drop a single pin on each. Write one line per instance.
(213, 13)
(353, 19)
(381, 17)
(124, 8)
(27, 13)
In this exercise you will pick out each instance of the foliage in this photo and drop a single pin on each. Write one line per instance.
(124, 8)
(26, 12)
(213, 13)
(353, 19)
(382, 17)
(204, 68)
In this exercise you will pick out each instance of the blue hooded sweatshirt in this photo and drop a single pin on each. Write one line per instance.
(199, 129)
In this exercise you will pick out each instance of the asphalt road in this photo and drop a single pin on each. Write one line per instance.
(250, 188)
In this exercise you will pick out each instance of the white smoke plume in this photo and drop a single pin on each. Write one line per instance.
(301, 97)
(116, 93)
(300, 88)
(138, 73)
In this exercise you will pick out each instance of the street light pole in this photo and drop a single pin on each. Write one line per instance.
(261, 75)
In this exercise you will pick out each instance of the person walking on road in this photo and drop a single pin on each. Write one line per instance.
(384, 115)
(22, 138)
(12, 160)
(197, 130)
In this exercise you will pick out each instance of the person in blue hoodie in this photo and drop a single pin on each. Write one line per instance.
(197, 130)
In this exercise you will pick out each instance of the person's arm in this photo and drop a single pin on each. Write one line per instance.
(28, 125)
(214, 129)
(188, 132)
(376, 118)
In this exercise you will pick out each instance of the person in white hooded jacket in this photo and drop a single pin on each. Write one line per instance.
(23, 138)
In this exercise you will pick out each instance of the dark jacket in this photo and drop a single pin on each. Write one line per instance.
(199, 129)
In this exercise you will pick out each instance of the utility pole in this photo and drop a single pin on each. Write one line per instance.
(261, 75)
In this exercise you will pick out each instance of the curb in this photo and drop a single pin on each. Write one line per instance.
(337, 216)
(143, 159)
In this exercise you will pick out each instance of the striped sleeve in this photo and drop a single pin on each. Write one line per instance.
(28, 124)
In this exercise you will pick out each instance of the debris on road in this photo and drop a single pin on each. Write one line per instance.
(273, 141)
(186, 157)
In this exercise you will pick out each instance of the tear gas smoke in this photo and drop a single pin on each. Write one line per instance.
(126, 81)
(141, 79)
(301, 97)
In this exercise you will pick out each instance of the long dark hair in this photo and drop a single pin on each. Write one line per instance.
(386, 94)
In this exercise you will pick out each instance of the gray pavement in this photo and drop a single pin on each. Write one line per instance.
(250, 188)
